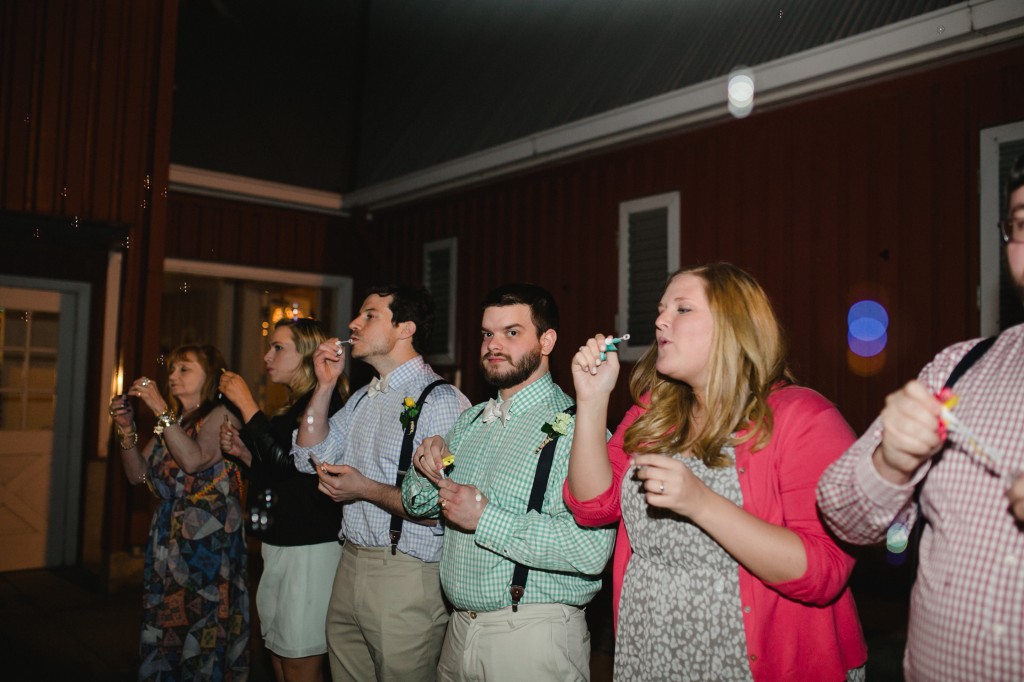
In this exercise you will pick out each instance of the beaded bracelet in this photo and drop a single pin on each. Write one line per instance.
(129, 440)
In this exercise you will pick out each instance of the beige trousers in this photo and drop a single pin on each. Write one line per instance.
(386, 619)
(539, 643)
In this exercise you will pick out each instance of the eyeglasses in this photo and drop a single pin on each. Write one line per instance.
(1012, 228)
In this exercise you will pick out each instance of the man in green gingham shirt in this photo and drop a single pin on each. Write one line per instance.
(484, 503)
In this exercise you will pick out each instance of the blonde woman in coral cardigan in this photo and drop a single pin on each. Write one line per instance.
(722, 569)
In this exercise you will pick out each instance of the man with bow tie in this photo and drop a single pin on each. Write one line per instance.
(378, 627)
(516, 566)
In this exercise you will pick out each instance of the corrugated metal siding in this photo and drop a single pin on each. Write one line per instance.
(867, 192)
(450, 77)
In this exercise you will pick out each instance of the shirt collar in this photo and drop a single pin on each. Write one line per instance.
(530, 395)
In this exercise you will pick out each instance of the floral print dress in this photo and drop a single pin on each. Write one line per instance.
(195, 622)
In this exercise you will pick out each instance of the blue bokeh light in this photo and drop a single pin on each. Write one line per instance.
(867, 348)
(867, 323)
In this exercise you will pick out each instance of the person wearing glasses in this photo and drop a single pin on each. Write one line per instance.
(961, 448)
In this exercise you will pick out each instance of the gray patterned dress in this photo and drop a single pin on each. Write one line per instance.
(679, 615)
(680, 612)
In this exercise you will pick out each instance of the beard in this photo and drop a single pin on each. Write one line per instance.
(517, 372)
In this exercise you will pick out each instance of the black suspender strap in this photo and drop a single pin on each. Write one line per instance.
(540, 486)
(972, 356)
(969, 359)
(405, 459)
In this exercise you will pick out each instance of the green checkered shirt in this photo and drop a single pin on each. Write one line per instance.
(565, 560)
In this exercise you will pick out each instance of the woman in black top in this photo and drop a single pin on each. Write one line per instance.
(297, 524)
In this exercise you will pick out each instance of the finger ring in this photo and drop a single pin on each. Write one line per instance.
(661, 491)
(323, 468)
(442, 502)
(581, 347)
(144, 382)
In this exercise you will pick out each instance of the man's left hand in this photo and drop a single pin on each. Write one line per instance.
(462, 505)
(340, 482)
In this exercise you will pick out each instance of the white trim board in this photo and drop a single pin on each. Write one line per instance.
(957, 29)
(964, 27)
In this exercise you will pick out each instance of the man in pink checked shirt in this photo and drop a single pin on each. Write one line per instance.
(967, 606)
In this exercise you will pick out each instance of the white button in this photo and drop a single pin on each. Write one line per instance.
(746, 609)
(742, 470)
(1010, 560)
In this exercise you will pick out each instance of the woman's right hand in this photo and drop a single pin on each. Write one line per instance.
(592, 376)
(121, 412)
(234, 388)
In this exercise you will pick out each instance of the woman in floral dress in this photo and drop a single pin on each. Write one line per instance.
(195, 622)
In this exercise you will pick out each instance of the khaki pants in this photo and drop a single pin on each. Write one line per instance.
(539, 643)
(386, 620)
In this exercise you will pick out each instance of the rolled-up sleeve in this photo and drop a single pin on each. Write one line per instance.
(857, 504)
(329, 449)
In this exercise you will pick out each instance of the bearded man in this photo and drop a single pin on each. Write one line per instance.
(505, 517)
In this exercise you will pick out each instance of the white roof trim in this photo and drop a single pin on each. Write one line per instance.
(960, 28)
(190, 180)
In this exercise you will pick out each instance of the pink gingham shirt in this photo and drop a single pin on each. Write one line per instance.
(967, 605)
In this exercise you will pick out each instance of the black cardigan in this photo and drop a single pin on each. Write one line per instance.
(299, 513)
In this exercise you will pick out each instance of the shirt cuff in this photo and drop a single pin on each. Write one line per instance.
(420, 497)
(494, 529)
(878, 490)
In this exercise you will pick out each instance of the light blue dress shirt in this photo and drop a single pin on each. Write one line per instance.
(367, 434)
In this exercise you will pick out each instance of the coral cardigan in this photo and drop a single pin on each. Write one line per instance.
(805, 628)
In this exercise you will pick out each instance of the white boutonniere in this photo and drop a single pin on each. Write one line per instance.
(553, 429)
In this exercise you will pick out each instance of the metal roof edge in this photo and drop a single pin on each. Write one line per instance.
(970, 25)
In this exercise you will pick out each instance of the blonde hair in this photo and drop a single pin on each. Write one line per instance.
(747, 359)
(307, 335)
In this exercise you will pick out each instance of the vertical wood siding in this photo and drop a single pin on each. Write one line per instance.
(870, 191)
(211, 229)
(85, 106)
